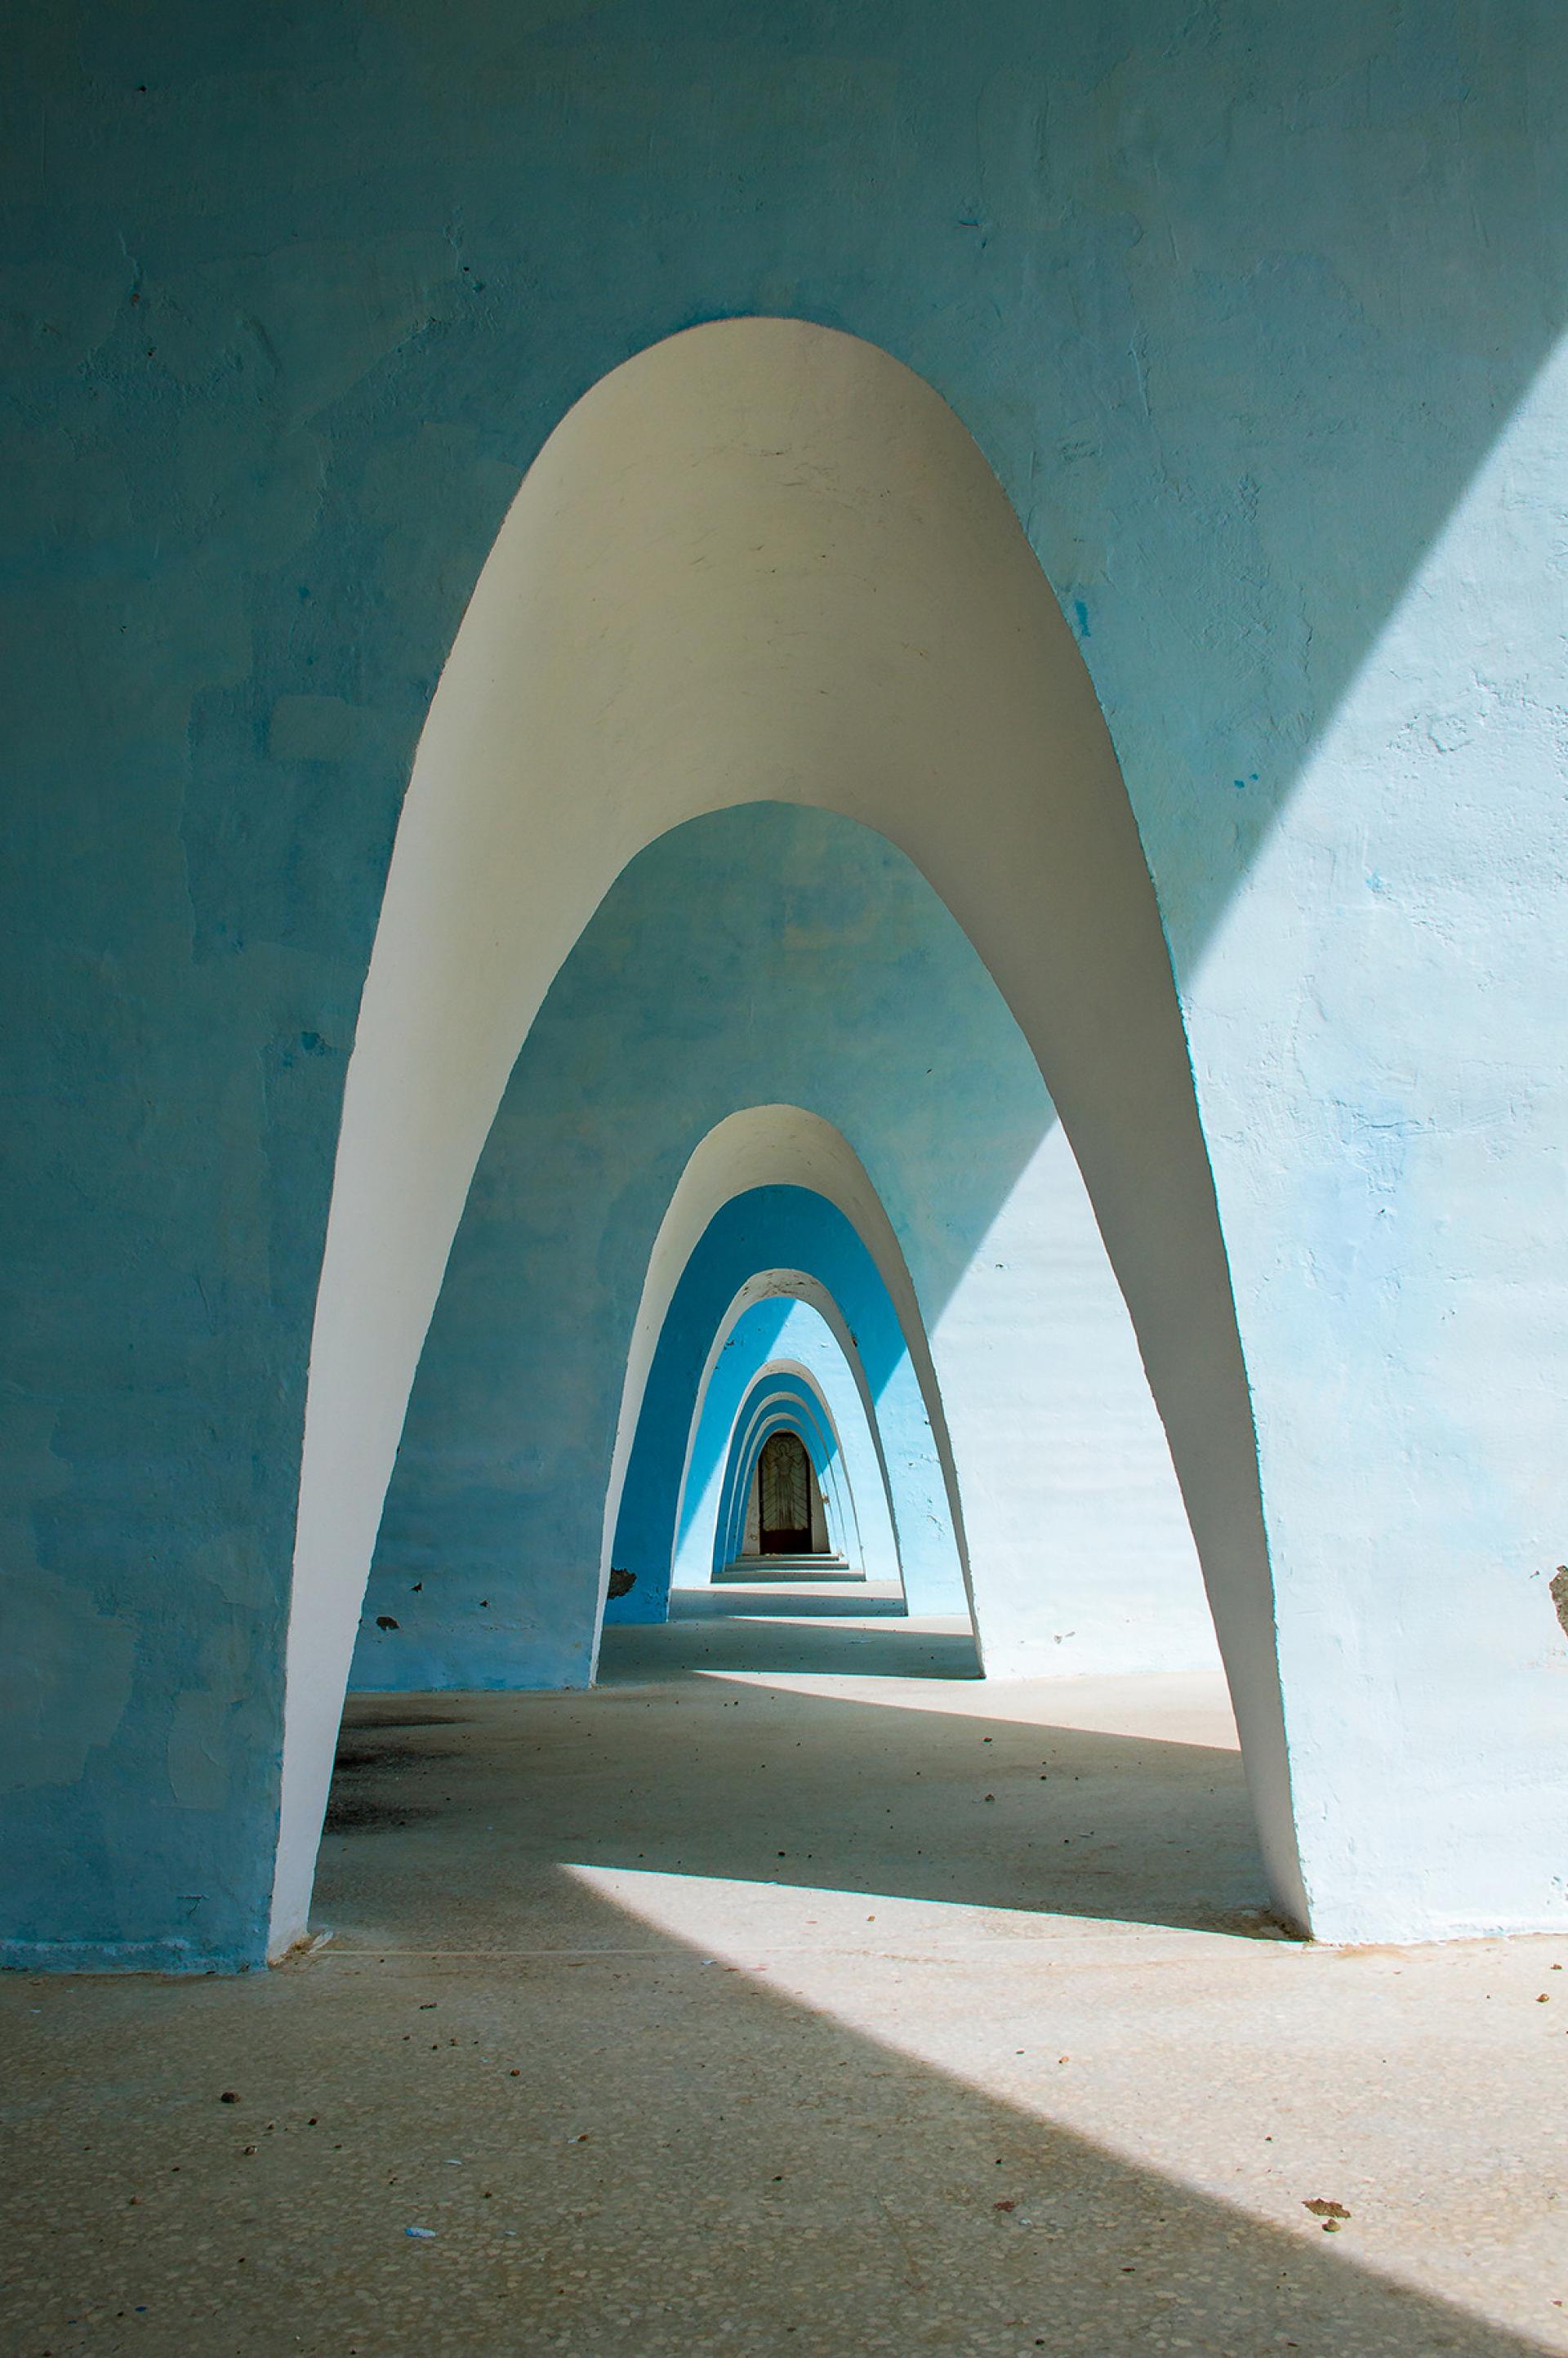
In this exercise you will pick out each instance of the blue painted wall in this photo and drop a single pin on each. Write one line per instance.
(1235, 300)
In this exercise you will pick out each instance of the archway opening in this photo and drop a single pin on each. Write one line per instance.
(791, 1518)
(763, 562)
(786, 1395)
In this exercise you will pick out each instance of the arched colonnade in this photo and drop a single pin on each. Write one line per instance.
(764, 564)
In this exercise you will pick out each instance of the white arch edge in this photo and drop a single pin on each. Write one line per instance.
(810, 461)
(782, 1410)
(771, 1146)
(793, 1284)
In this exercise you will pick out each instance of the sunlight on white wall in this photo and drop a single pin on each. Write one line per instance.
(1377, 1040)
(1081, 1556)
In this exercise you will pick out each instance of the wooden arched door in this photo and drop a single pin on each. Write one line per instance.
(784, 1481)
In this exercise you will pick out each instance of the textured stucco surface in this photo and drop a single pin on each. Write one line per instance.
(1235, 303)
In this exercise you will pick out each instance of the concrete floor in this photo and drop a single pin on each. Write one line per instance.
(757, 2003)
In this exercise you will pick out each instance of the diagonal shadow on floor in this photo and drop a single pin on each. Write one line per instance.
(628, 2156)
(622, 2147)
(738, 1779)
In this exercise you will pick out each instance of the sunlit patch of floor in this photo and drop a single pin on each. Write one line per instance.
(760, 1926)
(1235, 2063)
(763, 2008)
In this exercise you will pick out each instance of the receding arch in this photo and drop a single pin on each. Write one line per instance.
(850, 1259)
(793, 1286)
(761, 560)
(786, 1391)
(877, 1514)
(792, 1412)
(783, 1388)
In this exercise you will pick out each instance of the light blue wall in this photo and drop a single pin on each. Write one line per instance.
(1235, 302)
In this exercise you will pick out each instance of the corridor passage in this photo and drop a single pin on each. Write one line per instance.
(794, 1992)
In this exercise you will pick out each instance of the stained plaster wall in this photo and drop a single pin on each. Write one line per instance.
(1237, 303)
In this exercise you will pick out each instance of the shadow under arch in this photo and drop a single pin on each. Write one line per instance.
(761, 560)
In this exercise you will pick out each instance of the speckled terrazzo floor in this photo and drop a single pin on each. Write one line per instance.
(752, 2004)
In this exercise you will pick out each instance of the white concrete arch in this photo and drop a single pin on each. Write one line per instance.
(794, 1285)
(775, 1146)
(771, 1400)
(761, 560)
(782, 1411)
(739, 1464)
